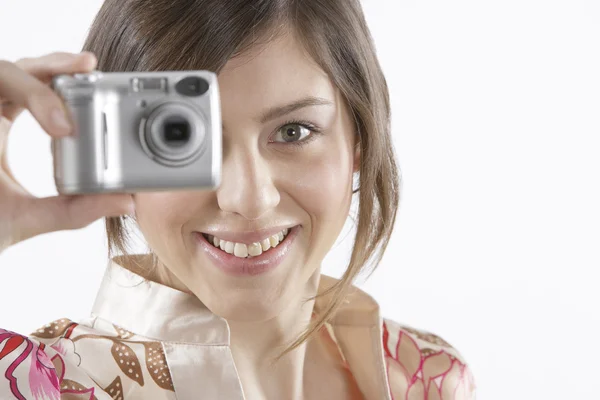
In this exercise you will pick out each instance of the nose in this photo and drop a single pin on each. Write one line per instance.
(247, 186)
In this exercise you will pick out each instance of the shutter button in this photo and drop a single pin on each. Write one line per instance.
(90, 77)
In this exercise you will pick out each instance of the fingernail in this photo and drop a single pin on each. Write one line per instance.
(60, 121)
(89, 54)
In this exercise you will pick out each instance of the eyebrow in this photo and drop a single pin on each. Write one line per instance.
(279, 111)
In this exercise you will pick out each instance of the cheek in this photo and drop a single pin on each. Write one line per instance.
(161, 216)
(322, 186)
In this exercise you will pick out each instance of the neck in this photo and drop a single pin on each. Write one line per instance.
(255, 346)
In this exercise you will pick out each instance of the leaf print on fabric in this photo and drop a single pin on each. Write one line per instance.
(156, 362)
(75, 391)
(59, 367)
(123, 333)
(115, 389)
(53, 329)
(127, 361)
(69, 389)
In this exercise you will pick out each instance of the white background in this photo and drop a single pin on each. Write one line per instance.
(496, 119)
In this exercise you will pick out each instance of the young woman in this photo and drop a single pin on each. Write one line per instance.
(305, 110)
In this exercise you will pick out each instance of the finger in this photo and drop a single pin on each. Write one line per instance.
(45, 67)
(57, 213)
(24, 90)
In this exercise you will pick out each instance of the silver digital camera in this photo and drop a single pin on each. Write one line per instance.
(139, 131)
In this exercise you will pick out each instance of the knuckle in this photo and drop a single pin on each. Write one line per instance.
(59, 56)
(41, 96)
(24, 62)
(63, 54)
(32, 63)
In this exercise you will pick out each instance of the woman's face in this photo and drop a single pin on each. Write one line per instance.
(276, 174)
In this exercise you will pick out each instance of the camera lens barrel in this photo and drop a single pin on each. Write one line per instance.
(173, 133)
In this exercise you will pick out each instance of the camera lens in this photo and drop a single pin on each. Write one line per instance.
(173, 133)
(176, 131)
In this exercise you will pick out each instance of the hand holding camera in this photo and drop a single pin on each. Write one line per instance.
(24, 85)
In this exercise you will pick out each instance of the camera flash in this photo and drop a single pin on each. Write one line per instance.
(149, 84)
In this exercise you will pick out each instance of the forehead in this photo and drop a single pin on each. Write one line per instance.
(272, 74)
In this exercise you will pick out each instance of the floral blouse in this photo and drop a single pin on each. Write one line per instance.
(144, 340)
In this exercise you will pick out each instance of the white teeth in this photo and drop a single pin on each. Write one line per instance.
(265, 244)
(254, 249)
(240, 250)
(274, 240)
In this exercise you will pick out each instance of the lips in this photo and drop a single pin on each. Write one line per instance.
(252, 266)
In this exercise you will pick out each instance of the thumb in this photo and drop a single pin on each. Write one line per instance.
(62, 212)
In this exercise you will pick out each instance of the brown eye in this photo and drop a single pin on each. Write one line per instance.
(293, 133)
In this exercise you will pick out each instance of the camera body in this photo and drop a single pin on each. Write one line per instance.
(139, 131)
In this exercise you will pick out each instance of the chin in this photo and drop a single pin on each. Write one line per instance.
(260, 299)
(246, 309)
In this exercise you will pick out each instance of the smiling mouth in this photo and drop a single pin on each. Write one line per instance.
(243, 250)
(237, 259)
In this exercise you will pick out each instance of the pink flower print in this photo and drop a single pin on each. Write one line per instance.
(43, 382)
(424, 374)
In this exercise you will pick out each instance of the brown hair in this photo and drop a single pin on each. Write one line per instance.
(138, 35)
